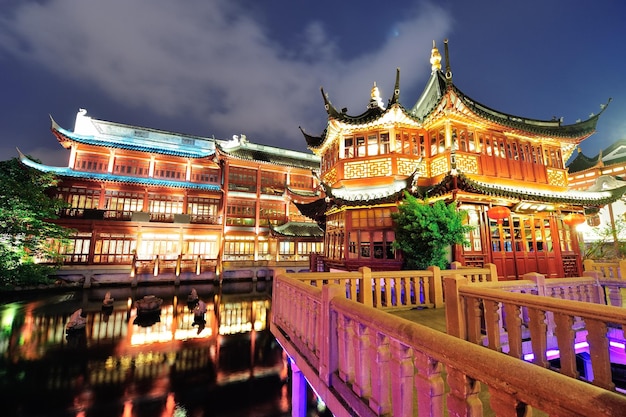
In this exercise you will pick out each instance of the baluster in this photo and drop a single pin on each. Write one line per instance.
(538, 337)
(316, 328)
(566, 334)
(407, 291)
(422, 286)
(380, 401)
(504, 404)
(429, 385)
(599, 352)
(343, 323)
(387, 302)
(473, 315)
(492, 324)
(513, 322)
(362, 361)
(402, 372)
(463, 397)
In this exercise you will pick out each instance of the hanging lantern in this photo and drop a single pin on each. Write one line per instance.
(574, 219)
(498, 213)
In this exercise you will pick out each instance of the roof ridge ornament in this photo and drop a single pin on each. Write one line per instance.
(435, 58)
(375, 100)
(448, 70)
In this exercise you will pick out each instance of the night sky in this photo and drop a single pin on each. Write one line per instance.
(231, 67)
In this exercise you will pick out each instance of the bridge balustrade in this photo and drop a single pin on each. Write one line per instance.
(537, 318)
(363, 361)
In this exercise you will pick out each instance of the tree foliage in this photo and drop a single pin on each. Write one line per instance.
(26, 230)
(425, 231)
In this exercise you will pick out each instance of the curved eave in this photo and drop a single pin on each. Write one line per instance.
(582, 162)
(581, 198)
(298, 230)
(66, 137)
(313, 142)
(430, 97)
(100, 177)
(551, 128)
(300, 193)
(244, 154)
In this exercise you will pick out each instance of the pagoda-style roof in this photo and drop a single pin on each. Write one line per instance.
(583, 162)
(240, 148)
(106, 134)
(614, 154)
(438, 93)
(591, 198)
(105, 177)
(298, 229)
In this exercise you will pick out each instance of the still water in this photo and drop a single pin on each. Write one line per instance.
(177, 361)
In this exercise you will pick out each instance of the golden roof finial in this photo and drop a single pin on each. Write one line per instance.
(375, 101)
(435, 59)
(375, 92)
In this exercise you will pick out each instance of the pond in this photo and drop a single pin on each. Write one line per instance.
(120, 359)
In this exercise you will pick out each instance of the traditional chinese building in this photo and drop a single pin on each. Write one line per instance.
(165, 200)
(607, 170)
(449, 146)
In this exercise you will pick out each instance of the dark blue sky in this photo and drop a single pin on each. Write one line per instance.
(226, 67)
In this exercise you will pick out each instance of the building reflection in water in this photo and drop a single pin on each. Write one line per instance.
(172, 363)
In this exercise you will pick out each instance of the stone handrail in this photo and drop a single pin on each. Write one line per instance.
(407, 289)
(494, 316)
(610, 270)
(363, 361)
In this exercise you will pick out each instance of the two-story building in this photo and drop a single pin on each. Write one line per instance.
(138, 194)
(506, 171)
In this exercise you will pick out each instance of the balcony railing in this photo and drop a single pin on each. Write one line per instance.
(124, 215)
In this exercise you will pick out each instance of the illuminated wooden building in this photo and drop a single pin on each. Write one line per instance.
(146, 194)
(449, 146)
(607, 170)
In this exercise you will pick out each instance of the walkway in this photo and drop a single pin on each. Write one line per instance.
(435, 318)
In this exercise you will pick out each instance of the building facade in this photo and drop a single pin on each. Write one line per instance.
(605, 226)
(139, 196)
(449, 146)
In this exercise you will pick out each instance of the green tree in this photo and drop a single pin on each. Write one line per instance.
(425, 231)
(26, 230)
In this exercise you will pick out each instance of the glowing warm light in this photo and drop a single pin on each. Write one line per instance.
(574, 219)
(498, 213)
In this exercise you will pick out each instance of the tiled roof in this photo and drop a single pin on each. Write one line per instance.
(97, 176)
(130, 143)
(260, 153)
(582, 198)
(298, 229)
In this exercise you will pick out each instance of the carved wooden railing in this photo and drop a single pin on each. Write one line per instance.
(366, 362)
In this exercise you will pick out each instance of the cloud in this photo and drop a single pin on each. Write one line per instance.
(214, 61)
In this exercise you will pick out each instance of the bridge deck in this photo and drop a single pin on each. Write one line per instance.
(435, 318)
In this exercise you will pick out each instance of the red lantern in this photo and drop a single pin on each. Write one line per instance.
(574, 219)
(498, 213)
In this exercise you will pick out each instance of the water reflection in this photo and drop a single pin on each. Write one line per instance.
(213, 355)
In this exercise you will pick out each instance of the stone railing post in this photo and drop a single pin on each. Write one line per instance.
(436, 287)
(455, 314)
(329, 349)
(588, 265)
(598, 294)
(365, 285)
(538, 279)
(621, 271)
(493, 272)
